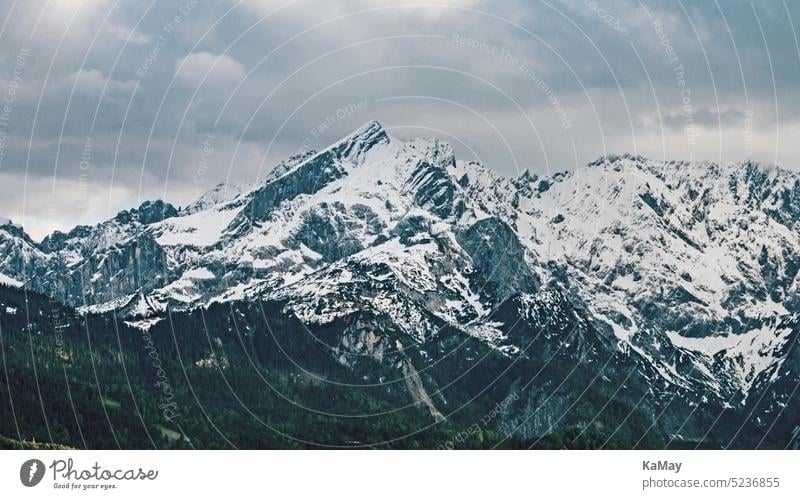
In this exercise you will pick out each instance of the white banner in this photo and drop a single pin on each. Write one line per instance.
(400, 474)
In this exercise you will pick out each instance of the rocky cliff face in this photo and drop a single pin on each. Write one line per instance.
(684, 274)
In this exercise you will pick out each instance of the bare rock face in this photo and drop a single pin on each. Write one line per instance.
(497, 253)
(316, 172)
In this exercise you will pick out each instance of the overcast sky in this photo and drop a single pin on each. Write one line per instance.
(108, 103)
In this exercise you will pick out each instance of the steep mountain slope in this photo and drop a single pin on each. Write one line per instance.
(21, 256)
(663, 248)
(677, 281)
(666, 253)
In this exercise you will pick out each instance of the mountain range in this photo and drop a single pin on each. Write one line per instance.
(628, 303)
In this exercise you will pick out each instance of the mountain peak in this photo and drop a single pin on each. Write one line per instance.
(16, 230)
(220, 193)
(147, 213)
(369, 128)
(433, 150)
(611, 158)
(8, 223)
(361, 140)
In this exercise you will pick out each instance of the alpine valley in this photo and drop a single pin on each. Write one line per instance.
(382, 293)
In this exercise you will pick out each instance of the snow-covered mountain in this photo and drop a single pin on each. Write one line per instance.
(686, 271)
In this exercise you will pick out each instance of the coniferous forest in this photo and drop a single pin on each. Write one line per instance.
(245, 375)
(232, 376)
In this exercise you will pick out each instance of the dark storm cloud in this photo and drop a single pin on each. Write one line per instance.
(118, 98)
